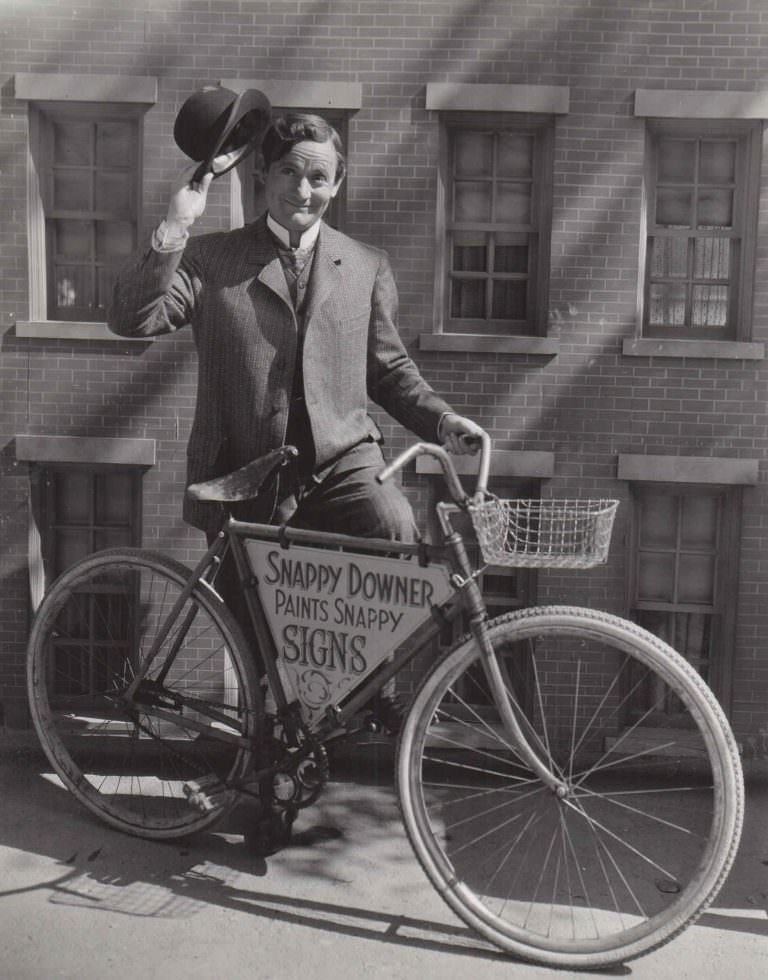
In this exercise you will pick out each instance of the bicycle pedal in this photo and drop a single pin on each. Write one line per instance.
(205, 793)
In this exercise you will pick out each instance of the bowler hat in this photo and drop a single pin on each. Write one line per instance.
(214, 121)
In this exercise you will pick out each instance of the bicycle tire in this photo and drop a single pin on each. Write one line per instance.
(151, 776)
(651, 822)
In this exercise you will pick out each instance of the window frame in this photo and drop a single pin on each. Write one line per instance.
(44, 115)
(726, 568)
(44, 482)
(748, 136)
(133, 93)
(542, 127)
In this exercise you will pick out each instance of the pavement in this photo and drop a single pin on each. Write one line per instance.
(345, 900)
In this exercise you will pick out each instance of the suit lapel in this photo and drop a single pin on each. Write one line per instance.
(264, 257)
(327, 270)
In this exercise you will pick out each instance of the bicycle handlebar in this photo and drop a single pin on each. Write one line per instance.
(449, 470)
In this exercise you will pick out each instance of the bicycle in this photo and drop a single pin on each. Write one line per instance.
(542, 803)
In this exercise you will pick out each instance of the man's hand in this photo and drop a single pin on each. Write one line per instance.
(459, 435)
(188, 199)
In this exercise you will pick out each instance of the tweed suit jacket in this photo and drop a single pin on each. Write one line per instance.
(231, 289)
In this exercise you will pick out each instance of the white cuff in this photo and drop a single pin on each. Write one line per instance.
(167, 239)
(440, 425)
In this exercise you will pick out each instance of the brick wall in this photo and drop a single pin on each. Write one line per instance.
(586, 405)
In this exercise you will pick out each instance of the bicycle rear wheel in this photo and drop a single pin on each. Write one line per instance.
(649, 824)
(155, 765)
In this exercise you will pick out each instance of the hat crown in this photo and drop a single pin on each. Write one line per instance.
(202, 119)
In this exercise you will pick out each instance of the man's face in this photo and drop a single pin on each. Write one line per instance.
(300, 186)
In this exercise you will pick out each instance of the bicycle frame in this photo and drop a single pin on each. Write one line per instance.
(412, 560)
(460, 592)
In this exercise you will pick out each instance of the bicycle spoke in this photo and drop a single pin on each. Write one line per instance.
(633, 837)
(130, 757)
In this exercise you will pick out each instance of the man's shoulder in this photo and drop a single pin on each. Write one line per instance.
(337, 240)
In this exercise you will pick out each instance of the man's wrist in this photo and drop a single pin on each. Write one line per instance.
(169, 236)
(440, 421)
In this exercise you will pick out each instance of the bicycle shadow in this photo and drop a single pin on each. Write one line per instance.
(337, 842)
(346, 838)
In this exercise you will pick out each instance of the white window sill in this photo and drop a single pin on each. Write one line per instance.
(712, 349)
(71, 330)
(488, 343)
(86, 449)
(688, 469)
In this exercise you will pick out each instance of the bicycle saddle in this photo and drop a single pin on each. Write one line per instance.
(245, 483)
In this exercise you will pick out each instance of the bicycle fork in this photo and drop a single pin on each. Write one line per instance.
(466, 583)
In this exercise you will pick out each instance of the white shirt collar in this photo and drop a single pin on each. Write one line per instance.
(308, 238)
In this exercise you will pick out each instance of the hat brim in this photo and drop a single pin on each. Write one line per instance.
(249, 116)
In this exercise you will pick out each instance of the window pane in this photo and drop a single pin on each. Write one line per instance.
(710, 306)
(673, 207)
(113, 239)
(72, 190)
(718, 161)
(113, 498)
(70, 676)
(715, 208)
(677, 160)
(115, 538)
(72, 143)
(693, 638)
(70, 546)
(114, 193)
(105, 285)
(514, 155)
(115, 142)
(697, 579)
(513, 203)
(468, 298)
(74, 286)
(656, 578)
(473, 154)
(472, 201)
(712, 258)
(469, 253)
(669, 258)
(71, 498)
(509, 300)
(699, 523)
(658, 527)
(509, 255)
(72, 621)
(73, 239)
(667, 304)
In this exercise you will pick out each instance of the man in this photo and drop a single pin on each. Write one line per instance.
(294, 325)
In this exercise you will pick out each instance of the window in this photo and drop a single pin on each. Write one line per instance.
(83, 195)
(494, 223)
(682, 588)
(701, 220)
(85, 509)
(88, 167)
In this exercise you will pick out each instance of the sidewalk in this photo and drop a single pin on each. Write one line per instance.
(345, 900)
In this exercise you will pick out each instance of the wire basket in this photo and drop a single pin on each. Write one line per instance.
(544, 533)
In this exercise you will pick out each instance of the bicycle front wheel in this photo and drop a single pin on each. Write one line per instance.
(161, 763)
(649, 819)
